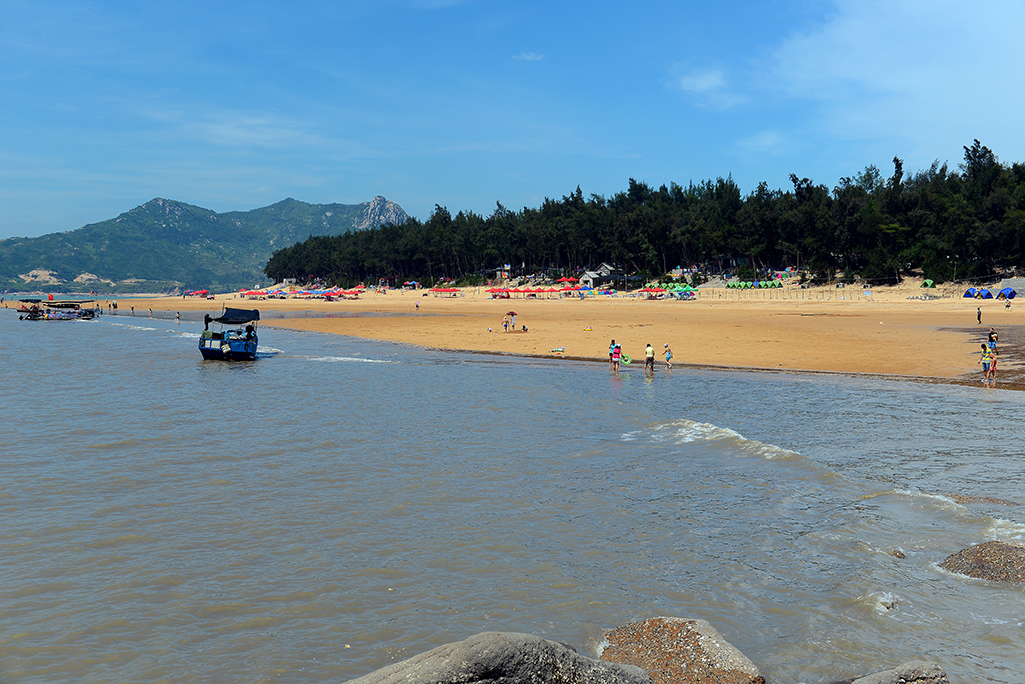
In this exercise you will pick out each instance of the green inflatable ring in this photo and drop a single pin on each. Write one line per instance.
(625, 359)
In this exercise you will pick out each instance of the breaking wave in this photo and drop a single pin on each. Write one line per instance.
(685, 431)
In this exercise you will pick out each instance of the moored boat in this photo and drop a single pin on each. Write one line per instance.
(52, 310)
(237, 339)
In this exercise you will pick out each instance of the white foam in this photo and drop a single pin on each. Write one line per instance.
(943, 501)
(881, 602)
(344, 359)
(1005, 530)
(134, 327)
(688, 431)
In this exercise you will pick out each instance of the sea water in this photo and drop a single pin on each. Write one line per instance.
(340, 504)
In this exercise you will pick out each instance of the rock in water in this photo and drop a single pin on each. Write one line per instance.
(915, 672)
(679, 651)
(992, 560)
(501, 658)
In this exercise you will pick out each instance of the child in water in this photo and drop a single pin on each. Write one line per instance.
(669, 356)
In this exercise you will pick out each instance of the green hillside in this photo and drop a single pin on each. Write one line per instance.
(165, 245)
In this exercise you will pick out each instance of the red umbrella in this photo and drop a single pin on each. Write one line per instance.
(510, 313)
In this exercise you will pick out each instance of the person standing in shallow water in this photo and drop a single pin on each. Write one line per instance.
(649, 360)
(612, 346)
(988, 372)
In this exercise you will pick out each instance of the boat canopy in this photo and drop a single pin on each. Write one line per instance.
(238, 316)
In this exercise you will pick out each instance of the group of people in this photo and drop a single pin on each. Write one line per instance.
(616, 357)
(509, 323)
(989, 359)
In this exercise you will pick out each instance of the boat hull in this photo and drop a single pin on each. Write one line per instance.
(228, 350)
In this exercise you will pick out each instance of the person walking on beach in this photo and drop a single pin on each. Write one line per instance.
(669, 356)
(978, 314)
(991, 339)
(612, 347)
(505, 323)
(988, 373)
(617, 352)
(649, 360)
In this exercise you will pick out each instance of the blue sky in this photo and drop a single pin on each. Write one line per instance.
(465, 103)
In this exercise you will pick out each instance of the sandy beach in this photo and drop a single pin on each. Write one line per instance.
(893, 332)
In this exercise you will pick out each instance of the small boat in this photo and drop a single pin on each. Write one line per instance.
(233, 342)
(53, 310)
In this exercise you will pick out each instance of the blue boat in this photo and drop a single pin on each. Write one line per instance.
(236, 341)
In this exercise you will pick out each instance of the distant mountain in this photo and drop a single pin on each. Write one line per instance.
(165, 245)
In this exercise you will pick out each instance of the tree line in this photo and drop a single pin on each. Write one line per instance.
(965, 224)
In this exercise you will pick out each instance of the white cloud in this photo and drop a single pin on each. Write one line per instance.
(701, 82)
(762, 142)
(926, 73)
(529, 57)
(707, 86)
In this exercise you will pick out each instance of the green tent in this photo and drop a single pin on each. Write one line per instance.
(927, 283)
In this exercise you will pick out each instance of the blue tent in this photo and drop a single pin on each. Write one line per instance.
(984, 294)
(970, 293)
(1007, 293)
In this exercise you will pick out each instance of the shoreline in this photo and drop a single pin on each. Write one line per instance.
(912, 339)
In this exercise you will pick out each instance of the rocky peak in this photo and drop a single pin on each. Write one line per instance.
(379, 211)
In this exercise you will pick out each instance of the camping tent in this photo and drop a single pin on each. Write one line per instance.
(927, 283)
(970, 293)
(1007, 293)
(984, 294)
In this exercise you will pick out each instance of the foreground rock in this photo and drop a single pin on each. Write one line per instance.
(679, 651)
(915, 672)
(993, 560)
(504, 657)
(965, 500)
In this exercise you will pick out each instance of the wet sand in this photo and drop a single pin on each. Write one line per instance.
(893, 333)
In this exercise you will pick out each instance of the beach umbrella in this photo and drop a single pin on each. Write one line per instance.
(510, 313)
